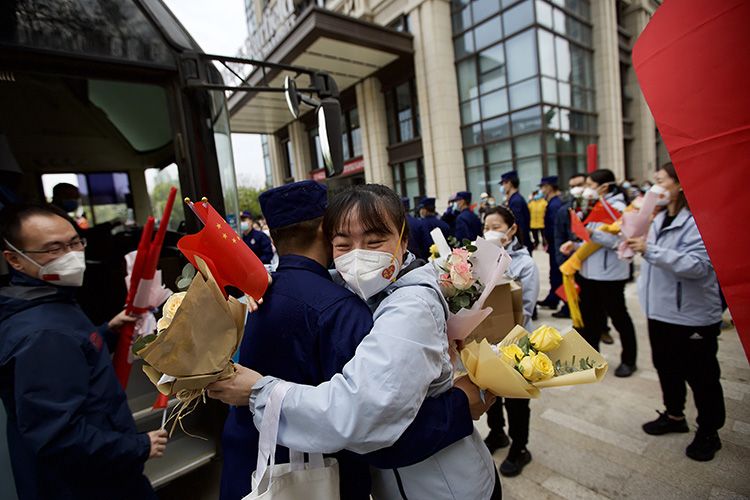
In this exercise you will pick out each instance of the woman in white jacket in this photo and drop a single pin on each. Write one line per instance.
(680, 296)
(403, 360)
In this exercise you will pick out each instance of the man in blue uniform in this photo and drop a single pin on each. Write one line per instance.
(517, 204)
(415, 242)
(563, 232)
(429, 221)
(306, 330)
(468, 225)
(258, 242)
(70, 432)
(551, 191)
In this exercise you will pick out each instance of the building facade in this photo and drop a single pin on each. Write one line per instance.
(440, 96)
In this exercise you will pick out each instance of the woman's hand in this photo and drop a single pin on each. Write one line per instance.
(638, 245)
(158, 443)
(477, 407)
(121, 319)
(235, 390)
(567, 248)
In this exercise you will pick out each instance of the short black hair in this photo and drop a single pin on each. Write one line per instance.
(12, 218)
(375, 204)
(514, 181)
(579, 174)
(63, 189)
(507, 215)
(602, 176)
(295, 237)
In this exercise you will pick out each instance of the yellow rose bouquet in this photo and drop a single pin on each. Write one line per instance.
(523, 363)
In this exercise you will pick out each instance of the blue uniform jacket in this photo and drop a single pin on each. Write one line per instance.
(70, 432)
(562, 231)
(468, 225)
(520, 210)
(415, 234)
(260, 244)
(425, 240)
(550, 218)
(449, 217)
(306, 331)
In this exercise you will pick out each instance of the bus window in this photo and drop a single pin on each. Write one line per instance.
(103, 197)
(158, 183)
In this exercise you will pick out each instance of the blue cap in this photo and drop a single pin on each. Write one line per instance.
(508, 176)
(461, 195)
(405, 202)
(293, 203)
(427, 203)
(246, 215)
(550, 180)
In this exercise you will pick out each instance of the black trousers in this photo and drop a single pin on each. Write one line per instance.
(600, 299)
(688, 354)
(537, 236)
(518, 420)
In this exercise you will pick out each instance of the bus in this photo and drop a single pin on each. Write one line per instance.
(116, 98)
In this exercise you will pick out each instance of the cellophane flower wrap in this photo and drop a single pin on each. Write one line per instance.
(523, 363)
(467, 275)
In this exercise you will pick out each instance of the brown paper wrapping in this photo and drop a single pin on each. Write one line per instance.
(198, 345)
(488, 370)
(506, 302)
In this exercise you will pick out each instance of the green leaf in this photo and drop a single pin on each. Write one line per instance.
(466, 242)
(471, 248)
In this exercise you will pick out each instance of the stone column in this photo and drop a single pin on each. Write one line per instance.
(437, 92)
(374, 129)
(300, 150)
(607, 82)
(276, 158)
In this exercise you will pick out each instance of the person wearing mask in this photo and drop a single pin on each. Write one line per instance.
(468, 225)
(71, 434)
(67, 197)
(549, 188)
(415, 242)
(562, 232)
(429, 221)
(483, 205)
(500, 228)
(401, 364)
(256, 239)
(537, 208)
(679, 294)
(603, 277)
(509, 188)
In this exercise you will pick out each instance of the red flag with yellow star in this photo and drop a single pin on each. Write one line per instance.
(229, 259)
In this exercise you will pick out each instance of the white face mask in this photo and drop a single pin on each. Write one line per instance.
(496, 237)
(590, 194)
(663, 194)
(244, 226)
(367, 272)
(576, 192)
(66, 270)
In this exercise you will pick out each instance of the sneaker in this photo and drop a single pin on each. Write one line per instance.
(625, 370)
(664, 425)
(515, 462)
(562, 314)
(548, 304)
(704, 446)
(496, 440)
(606, 338)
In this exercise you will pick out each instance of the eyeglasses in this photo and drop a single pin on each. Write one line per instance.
(57, 249)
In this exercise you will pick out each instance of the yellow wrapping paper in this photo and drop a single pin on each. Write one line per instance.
(488, 370)
(197, 346)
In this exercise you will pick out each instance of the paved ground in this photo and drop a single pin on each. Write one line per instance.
(587, 441)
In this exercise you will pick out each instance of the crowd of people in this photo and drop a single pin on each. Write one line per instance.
(352, 333)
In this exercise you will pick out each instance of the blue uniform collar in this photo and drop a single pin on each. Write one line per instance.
(292, 261)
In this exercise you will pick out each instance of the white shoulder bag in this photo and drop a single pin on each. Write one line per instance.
(318, 479)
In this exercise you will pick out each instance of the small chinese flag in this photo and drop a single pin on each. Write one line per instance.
(560, 292)
(602, 212)
(577, 226)
(161, 402)
(229, 259)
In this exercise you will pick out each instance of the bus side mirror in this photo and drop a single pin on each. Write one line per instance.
(329, 129)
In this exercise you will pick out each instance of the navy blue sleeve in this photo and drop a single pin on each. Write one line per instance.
(341, 328)
(462, 228)
(440, 422)
(266, 249)
(51, 383)
(562, 231)
(110, 336)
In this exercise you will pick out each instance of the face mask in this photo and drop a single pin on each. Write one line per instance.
(626, 185)
(454, 206)
(590, 194)
(244, 226)
(70, 206)
(663, 194)
(367, 272)
(66, 270)
(538, 196)
(576, 192)
(502, 190)
(496, 237)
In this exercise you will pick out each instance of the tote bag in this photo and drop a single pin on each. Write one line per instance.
(316, 479)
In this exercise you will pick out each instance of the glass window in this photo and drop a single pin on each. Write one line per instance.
(461, 20)
(470, 111)
(491, 80)
(408, 178)
(403, 108)
(467, 79)
(472, 134)
(528, 145)
(473, 157)
(494, 104)
(403, 115)
(496, 172)
(158, 184)
(484, 8)
(492, 69)
(488, 33)
(524, 94)
(551, 165)
(562, 50)
(559, 21)
(564, 118)
(527, 120)
(475, 179)
(549, 90)
(464, 44)
(529, 173)
(551, 143)
(497, 128)
(547, 53)
(518, 17)
(551, 117)
(499, 151)
(564, 92)
(355, 132)
(544, 13)
(317, 152)
(521, 50)
(580, 62)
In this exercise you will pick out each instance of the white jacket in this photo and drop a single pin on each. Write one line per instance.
(403, 360)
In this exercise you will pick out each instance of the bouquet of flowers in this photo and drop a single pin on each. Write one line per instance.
(467, 275)
(523, 363)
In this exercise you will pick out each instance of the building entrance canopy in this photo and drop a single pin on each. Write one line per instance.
(348, 49)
